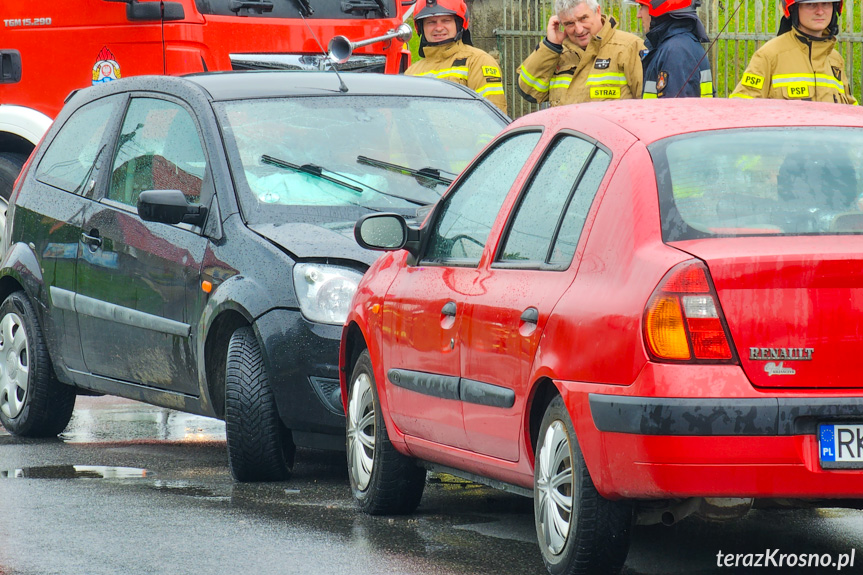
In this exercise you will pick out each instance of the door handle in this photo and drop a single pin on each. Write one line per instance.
(530, 315)
(92, 241)
(449, 309)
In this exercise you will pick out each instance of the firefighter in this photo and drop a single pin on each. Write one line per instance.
(675, 64)
(800, 63)
(447, 52)
(583, 58)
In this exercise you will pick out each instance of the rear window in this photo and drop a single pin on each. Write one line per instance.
(783, 182)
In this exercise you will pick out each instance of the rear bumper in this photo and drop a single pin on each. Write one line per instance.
(666, 437)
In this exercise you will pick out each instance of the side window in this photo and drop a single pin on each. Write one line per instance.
(543, 202)
(576, 212)
(71, 157)
(551, 213)
(464, 222)
(159, 149)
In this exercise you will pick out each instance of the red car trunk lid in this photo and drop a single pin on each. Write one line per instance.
(794, 306)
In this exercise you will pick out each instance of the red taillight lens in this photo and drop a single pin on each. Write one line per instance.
(683, 320)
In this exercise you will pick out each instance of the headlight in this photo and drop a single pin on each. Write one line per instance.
(325, 292)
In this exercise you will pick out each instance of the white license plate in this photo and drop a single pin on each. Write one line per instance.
(840, 446)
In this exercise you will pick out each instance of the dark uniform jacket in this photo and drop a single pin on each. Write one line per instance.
(675, 65)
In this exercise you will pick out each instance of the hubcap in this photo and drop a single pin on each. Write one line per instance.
(554, 488)
(14, 365)
(361, 431)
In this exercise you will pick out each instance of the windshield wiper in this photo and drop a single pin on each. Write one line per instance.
(310, 169)
(427, 177)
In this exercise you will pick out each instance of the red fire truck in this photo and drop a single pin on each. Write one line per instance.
(49, 48)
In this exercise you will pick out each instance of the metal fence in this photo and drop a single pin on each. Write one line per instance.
(741, 27)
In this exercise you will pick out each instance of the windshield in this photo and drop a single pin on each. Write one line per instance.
(291, 155)
(761, 182)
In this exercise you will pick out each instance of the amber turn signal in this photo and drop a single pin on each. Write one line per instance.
(683, 321)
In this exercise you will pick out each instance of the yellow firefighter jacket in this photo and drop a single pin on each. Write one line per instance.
(608, 69)
(465, 65)
(795, 67)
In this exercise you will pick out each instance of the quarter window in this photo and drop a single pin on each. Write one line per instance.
(464, 221)
(159, 149)
(70, 160)
(551, 213)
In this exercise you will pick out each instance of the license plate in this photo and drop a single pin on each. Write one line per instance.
(840, 446)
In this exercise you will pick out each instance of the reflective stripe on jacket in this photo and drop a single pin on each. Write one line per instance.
(676, 65)
(608, 69)
(465, 65)
(795, 67)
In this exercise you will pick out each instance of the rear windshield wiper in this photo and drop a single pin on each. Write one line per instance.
(428, 177)
(310, 169)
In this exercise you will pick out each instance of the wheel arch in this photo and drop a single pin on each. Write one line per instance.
(22, 128)
(353, 344)
(544, 392)
(216, 354)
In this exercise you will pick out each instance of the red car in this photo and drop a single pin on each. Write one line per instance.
(629, 311)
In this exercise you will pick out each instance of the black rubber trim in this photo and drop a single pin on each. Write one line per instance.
(443, 386)
(486, 394)
(716, 417)
(453, 387)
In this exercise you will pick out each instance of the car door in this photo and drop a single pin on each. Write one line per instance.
(49, 213)
(425, 305)
(138, 282)
(532, 267)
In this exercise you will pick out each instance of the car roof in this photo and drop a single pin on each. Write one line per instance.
(652, 120)
(268, 84)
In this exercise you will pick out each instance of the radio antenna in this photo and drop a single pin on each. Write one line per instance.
(342, 87)
(710, 47)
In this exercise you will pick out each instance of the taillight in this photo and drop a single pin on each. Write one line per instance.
(683, 320)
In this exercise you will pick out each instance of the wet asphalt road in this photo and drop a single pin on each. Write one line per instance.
(133, 489)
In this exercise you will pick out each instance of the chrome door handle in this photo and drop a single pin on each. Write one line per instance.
(92, 241)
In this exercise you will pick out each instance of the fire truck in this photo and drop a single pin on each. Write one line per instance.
(50, 48)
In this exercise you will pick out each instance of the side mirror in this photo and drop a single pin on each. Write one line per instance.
(169, 207)
(381, 232)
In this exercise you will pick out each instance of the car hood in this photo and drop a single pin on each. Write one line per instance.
(305, 240)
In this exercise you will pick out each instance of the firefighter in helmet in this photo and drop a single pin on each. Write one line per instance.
(801, 62)
(675, 64)
(584, 57)
(447, 52)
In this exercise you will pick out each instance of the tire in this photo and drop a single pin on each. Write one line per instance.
(260, 447)
(32, 402)
(383, 481)
(10, 166)
(578, 530)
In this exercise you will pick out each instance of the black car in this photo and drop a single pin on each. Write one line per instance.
(188, 242)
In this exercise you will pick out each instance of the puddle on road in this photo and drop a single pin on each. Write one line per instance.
(189, 490)
(75, 472)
